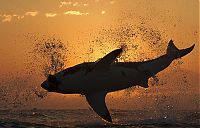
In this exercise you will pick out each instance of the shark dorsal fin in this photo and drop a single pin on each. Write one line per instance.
(97, 102)
(108, 59)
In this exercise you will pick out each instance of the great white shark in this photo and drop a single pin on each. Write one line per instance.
(96, 79)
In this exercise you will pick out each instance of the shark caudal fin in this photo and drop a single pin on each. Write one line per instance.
(174, 52)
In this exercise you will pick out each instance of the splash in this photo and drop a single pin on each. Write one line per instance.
(49, 54)
(45, 55)
(140, 42)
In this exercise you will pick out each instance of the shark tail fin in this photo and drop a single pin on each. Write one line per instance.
(174, 52)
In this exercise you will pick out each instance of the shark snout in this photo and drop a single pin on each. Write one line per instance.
(45, 86)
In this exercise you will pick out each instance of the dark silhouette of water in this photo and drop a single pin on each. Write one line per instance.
(85, 118)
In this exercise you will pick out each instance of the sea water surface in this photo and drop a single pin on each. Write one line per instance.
(83, 118)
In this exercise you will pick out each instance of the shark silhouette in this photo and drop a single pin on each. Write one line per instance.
(96, 79)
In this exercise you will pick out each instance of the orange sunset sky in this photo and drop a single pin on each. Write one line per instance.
(79, 23)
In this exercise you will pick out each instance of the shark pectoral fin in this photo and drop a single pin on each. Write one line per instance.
(97, 102)
(108, 59)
